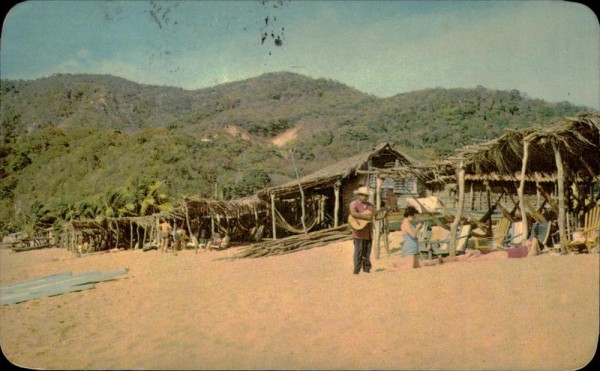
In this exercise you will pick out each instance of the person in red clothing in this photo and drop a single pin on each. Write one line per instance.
(363, 238)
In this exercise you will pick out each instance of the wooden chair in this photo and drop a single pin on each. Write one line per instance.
(541, 232)
(498, 240)
(590, 232)
(441, 246)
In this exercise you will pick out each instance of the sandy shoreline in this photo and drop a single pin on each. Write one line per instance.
(304, 310)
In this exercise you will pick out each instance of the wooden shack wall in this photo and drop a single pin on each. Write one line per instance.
(349, 185)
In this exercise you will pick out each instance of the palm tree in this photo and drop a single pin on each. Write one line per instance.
(148, 197)
(116, 203)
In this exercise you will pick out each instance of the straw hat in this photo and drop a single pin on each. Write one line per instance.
(362, 191)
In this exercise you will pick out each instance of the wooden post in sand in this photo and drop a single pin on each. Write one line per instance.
(561, 198)
(459, 209)
(187, 222)
(377, 231)
(471, 198)
(117, 242)
(274, 225)
(130, 235)
(336, 206)
(489, 202)
(143, 238)
(521, 190)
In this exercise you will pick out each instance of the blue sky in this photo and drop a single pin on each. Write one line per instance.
(549, 50)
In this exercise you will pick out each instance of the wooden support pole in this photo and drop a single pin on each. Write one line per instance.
(273, 215)
(302, 200)
(471, 198)
(459, 209)
(561, 198)
(538, 195)
(212, 225)
(187, 222)
(117, 242)
(130, 235)
(489, 202)
(377, 231)
(143, 239)
(521, 190)
(336, 206)
(137, 231)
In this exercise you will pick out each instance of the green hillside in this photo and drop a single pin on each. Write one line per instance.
(91, 145)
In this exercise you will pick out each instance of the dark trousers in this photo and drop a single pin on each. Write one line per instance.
(362, 255)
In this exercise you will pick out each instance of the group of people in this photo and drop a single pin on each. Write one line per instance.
(165, 232)
(181, 239)
(362, 209)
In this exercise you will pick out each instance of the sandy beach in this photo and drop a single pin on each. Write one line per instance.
(304, 310)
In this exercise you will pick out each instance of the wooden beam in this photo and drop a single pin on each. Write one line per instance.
(302, 200)
(336, 207)
(471, 198)
(273, 216)
(130, 235)
(187, 222)
(459, 209)
(488, 191)
(561, 198)
(377, 231)
(548, 198)
(521, 190)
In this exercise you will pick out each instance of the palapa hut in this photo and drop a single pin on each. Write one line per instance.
(542, 160)
(327, 192)
(242, 219)
(91, 235)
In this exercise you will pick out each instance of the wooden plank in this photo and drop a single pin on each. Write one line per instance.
(72, 280)
(83, 278)
(59, 290)
(20, 285)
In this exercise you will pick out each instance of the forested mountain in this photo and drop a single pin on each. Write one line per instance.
(92, 145)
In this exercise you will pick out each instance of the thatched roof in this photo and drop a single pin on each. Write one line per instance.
(576, 137)
(145, 221)
(230, 208)
(329, 175)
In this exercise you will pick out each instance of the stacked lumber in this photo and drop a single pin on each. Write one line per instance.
(295, 243)
(53, 285)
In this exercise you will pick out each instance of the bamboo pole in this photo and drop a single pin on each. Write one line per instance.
(137, 233)
(212, 225)
(538, 195)
(488, 191)
(377, 231)
(521, 190)
(336, 206)
(471, 198)
(130, 235)
(187, 222)
(459, 210)
(273, 216)
(302, 201)
(117, 242)
(143, 238)
(561, 198)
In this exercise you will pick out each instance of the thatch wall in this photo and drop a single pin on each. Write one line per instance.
(242, 219)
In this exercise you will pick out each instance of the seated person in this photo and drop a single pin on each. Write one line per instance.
(225, 241)
(215, 243)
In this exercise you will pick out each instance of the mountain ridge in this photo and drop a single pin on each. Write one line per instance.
(71, 139)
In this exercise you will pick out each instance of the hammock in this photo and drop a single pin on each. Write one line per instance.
(282, 223)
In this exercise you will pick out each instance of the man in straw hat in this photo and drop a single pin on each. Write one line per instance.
(362, 210)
